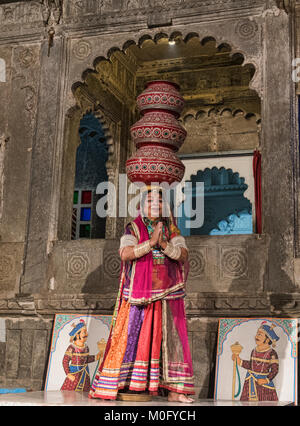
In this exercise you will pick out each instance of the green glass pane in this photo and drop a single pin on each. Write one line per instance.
(75, 199)
(85, 231)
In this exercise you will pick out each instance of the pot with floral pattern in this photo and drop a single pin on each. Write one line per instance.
(161, 95)
(155, 164)
(157, 135)
(158, 128)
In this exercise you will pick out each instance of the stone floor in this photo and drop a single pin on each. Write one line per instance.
(71, 398)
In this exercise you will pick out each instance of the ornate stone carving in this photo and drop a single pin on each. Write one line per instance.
(246, 29)
(26, 57)
(231, 303)
(82, 50)
(159, 11)
(234, 262)
(30, 98)
(130, 4)
(14, 15)
(210, 305)
(8, 14)
(52, 11)
(111, 264)
(197, 259)
(77, 265)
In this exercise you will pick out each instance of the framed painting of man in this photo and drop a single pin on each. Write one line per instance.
(77, 346)
(256, 359)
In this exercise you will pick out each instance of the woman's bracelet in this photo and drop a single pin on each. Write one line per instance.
(174, 252)
(142, 249)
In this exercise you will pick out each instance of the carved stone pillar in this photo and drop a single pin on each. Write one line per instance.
(277, 165)
(42, 171)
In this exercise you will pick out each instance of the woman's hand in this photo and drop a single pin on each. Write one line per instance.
(161, 241)
(127, 253)
(156, 233)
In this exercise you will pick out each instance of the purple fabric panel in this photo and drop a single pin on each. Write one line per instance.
(136, 317)
(128, 269)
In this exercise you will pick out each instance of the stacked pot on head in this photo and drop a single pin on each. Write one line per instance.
(157, 135)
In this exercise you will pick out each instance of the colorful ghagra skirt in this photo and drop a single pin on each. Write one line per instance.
(148, 350)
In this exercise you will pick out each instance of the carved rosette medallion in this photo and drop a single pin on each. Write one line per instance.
(111, 264)
(26, 57)
(234, 263)
(197, 263)
(82, 50)
(246, 29)
(77, 265)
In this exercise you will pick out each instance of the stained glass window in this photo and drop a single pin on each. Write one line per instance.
(74, 224)
(91, 157)
(85, 231)
(82, 214)
(85, 214)
(75, 199)
(86, 197)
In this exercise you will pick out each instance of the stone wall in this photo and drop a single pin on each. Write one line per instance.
(24, 349)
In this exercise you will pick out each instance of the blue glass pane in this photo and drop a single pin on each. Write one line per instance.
(85, 213)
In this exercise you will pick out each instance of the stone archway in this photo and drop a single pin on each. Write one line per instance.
(110, 86)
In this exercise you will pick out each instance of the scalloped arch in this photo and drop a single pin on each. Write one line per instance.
(227, 111)
(186, 36)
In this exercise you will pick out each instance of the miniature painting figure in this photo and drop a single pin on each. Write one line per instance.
(262, 367)
(76, 360)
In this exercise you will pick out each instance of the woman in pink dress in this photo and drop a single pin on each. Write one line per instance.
(148, 347)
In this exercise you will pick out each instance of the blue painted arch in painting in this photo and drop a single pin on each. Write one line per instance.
(226, 209)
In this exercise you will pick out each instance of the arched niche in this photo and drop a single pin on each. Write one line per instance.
(91, 158)
(110, 84)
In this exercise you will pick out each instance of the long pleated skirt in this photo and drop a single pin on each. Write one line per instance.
(138, 359)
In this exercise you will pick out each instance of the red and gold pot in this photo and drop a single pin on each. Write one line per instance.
(157, 135)
(152, 164)
(163, 95)
(159, 128)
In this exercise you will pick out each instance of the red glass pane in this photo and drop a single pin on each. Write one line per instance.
(86, 197)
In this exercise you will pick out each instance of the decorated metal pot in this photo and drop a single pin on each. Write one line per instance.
(152, 164)
(160, 128)
(160, 94)
(157, 135)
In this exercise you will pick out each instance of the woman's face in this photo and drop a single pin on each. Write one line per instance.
(153, 205)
